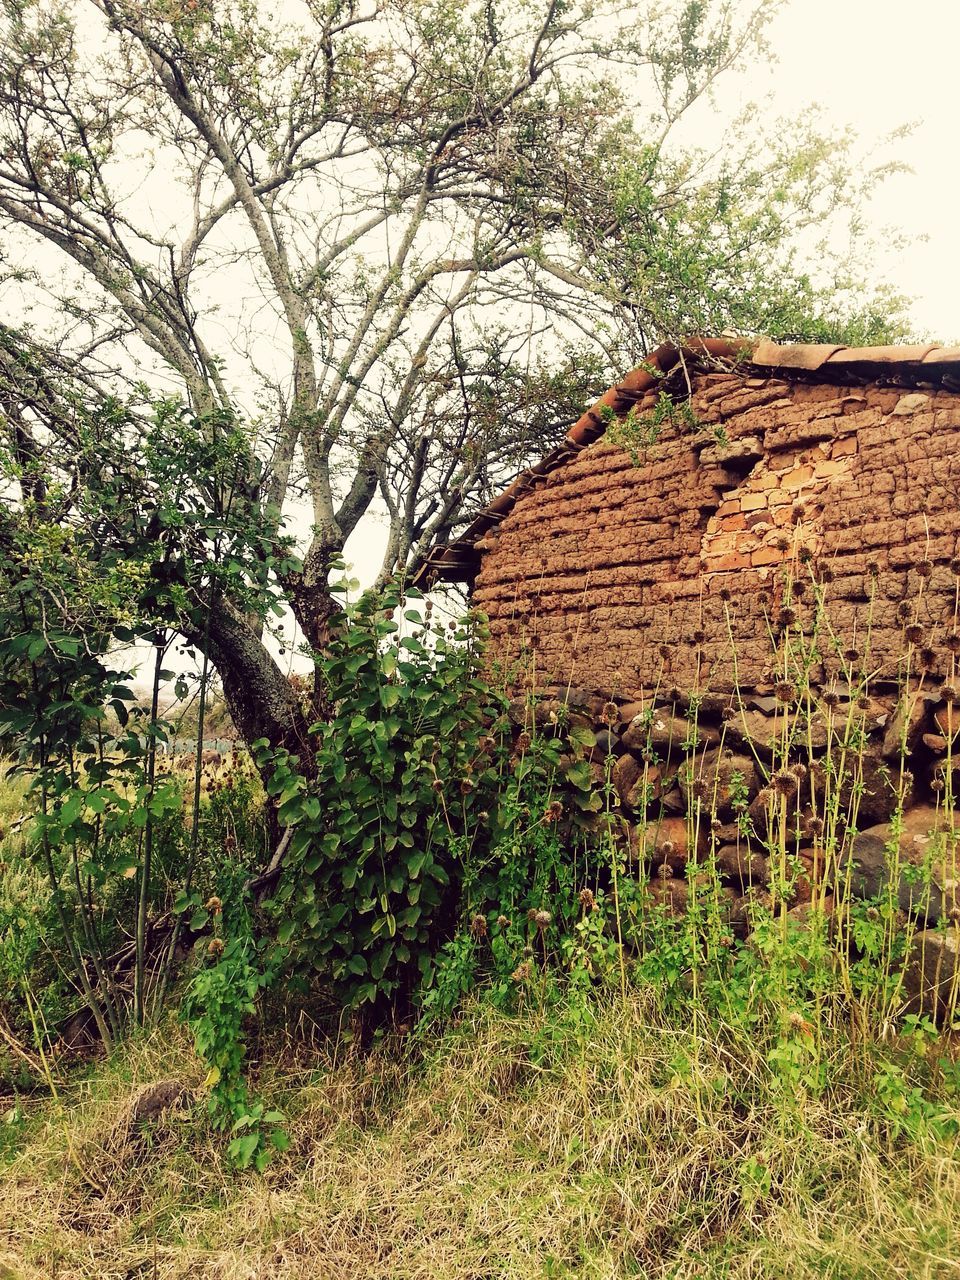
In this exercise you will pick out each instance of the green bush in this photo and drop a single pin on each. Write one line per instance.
(402, 771)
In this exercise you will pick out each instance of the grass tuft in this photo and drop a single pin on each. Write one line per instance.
(598, 1140)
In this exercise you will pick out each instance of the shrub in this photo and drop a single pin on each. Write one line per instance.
(403, 769)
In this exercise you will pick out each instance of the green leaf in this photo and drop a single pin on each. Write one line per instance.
(582, 736)
(241, 1150)
(415, 863)
(72, 808)
(579, 775)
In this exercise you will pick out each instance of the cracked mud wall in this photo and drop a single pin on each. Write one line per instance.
(623, 574)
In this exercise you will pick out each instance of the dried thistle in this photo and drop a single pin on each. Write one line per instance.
(784, 781)
(553, 812)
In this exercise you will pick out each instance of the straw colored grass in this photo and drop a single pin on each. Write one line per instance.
(513, 1147)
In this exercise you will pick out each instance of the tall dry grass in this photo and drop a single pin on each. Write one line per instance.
(606, 1139)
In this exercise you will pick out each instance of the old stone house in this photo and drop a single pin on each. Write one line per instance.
(612, 562)
(742, 559)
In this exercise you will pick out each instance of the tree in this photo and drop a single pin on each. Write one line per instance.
(380, 251)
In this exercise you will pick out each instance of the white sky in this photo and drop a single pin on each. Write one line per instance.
(876, 65)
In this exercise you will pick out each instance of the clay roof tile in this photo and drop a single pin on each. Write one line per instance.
(881, 355)
(800, 356)
(942, 355)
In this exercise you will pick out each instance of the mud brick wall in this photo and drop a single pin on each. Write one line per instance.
(625, 572)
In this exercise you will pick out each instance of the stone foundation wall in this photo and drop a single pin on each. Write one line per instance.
(629, 574)
(780, 800)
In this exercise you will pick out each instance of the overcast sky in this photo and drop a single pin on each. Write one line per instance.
(879, 64)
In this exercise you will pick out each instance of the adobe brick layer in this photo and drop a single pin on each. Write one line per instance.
(625, 574)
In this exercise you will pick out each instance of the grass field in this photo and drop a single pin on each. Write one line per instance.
(603, 1140)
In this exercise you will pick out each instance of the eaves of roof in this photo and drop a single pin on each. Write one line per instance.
(927, 364)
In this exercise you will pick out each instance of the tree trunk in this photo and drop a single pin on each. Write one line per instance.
(261, 700)
(315, 609)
